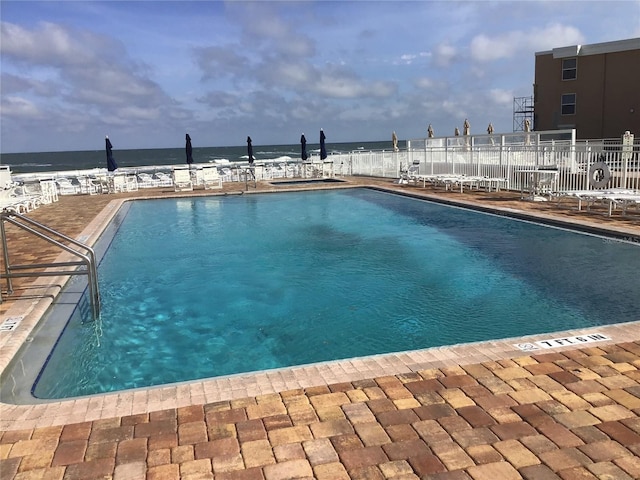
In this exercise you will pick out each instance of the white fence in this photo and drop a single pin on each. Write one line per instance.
(577, 164)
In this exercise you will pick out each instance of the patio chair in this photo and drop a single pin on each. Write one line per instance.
(227, 174)
(132, 183)
(145, 180)
(18, 200)
(118, 183)
(89, 185)
(410, 174)
(211, 178)
(5, 176)
(182, 179)
(163, 179)
(49, 191)
(65, 187)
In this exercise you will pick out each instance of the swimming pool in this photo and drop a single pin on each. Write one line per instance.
(288, 279)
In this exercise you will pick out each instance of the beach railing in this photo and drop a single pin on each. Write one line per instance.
(506, 156)
(497, 156)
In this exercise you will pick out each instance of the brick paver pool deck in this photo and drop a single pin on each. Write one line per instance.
(485, 411)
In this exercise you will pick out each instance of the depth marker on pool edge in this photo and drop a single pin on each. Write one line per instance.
(561, 342)
(10, 324)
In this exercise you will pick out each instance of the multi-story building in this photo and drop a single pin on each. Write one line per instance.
(592, 88)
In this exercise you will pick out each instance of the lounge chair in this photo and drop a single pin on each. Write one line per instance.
(625, 201)
(182, 179)
(49, 191)
(163, 179)
(17, 199)
(622, 197)
(118, 183)
(277, 171)
(5, 176)
(65, 187)
(145, 180)
(132, 183)
(89, 185)
(227, 174)
(411, 174)
(211, 178)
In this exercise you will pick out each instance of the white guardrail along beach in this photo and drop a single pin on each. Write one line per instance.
(543, 164)
(514, 157)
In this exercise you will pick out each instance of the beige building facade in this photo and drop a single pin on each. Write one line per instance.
(592, 88)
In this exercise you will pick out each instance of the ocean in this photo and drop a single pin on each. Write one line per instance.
(84, 160)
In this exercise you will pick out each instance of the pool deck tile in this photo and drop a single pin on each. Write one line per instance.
(477, 411)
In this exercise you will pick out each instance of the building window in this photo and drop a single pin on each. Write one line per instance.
(568, 104)
(569, 68)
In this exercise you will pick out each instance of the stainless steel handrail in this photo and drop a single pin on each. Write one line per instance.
(87, 259)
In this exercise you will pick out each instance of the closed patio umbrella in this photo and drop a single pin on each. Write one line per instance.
(323, 149)
(249, 150)
(111, 163)
(189, 150)
(303, 148)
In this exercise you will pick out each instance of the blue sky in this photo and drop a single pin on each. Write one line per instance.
(147, 72)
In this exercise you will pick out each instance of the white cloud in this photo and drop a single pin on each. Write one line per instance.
(20, 107)
(501, 97)
(137, 113)
(70, 70)
(54, 46)
(424, 83)
(517, 43)
(444, 54)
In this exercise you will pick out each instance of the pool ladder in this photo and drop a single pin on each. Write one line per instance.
(84, 253)
(249, 173)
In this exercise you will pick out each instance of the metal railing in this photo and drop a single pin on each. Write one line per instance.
(56, 238)
(504, 156)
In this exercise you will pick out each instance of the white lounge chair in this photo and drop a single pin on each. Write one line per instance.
(65, 187)
(182, 179)
(118, 183)
(132, 183)
(145, 180)
(411, 174)
(49, 191)
(625, 201)
(5, 176)
(89, 185)
(622, 197)
(16, 199)
(163, 179)
(277, 171)
(211, 178)
(227, 174)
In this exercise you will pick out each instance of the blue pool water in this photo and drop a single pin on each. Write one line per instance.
(202, 287)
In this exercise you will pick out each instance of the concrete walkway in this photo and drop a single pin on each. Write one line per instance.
(485, 411)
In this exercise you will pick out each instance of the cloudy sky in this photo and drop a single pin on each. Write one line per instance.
(147, 72)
